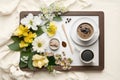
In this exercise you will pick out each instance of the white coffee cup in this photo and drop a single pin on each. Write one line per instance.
(92, 34)
(86, 56)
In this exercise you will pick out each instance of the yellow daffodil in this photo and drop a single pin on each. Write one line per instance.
(51, 31)
(39, 61)
(22, 44)
(21, 31)
(29, 37)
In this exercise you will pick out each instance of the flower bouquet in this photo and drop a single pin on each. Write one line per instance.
(32, 38)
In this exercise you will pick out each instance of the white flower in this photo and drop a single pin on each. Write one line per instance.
(31, 21)
(57, 7)
(40, 43)
(24, 59)
(37, 20)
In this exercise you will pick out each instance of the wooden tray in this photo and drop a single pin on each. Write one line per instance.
(100, 14)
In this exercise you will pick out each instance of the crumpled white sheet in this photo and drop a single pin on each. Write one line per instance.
(7, 6)
(9, 60)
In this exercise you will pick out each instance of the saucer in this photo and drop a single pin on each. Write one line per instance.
(73, 33)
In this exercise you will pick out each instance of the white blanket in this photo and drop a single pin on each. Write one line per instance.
(7, 6)
(9, 20)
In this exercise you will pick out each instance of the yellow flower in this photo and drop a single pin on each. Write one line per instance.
(21, 31)
(39, 61)
(51, 31)
(29, 37)
(22, 44)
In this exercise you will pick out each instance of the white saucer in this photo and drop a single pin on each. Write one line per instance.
(73, 33)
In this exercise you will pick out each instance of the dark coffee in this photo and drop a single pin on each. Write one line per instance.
(85, 30)
(87, 55)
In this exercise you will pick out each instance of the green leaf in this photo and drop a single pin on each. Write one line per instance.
(15, 38)
(28, 54)
(47, 23)
(57, 18)
(39, 31)
(22, 64)
(50, 68)
(23, 54)
(30, 62)
(15, 46)
(51, 60)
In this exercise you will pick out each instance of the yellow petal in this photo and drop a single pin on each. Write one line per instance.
(51, 31)
(39, 60)
(46, 61)
(18, 32)
(35, 63)
(50, 35)
(40, 64)
(36, 57)
(32, 35)
(25, 34)
(22, 44)
(28, 39)
(21, 31)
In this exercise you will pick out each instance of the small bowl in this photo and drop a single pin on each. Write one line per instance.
(87, 56)
(54, 44)
(82, 39)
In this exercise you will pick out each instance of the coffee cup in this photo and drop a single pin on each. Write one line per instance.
(85, 31)
(87, 56)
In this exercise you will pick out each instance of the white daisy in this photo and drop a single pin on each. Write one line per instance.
(31, 21)
(40, 43)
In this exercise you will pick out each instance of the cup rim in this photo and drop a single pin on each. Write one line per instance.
(87, 62)
(90, 36)
(51, 47)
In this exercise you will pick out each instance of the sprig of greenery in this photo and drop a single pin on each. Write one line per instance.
(53, 12)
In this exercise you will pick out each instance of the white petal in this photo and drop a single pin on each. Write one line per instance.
(34, 27)
(28, 25)
(24, 21)
(37, 20)
(38, 51)
(40, 39)
(41, 50)
(30, 16)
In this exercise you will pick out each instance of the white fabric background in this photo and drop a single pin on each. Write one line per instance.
(9, 19)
